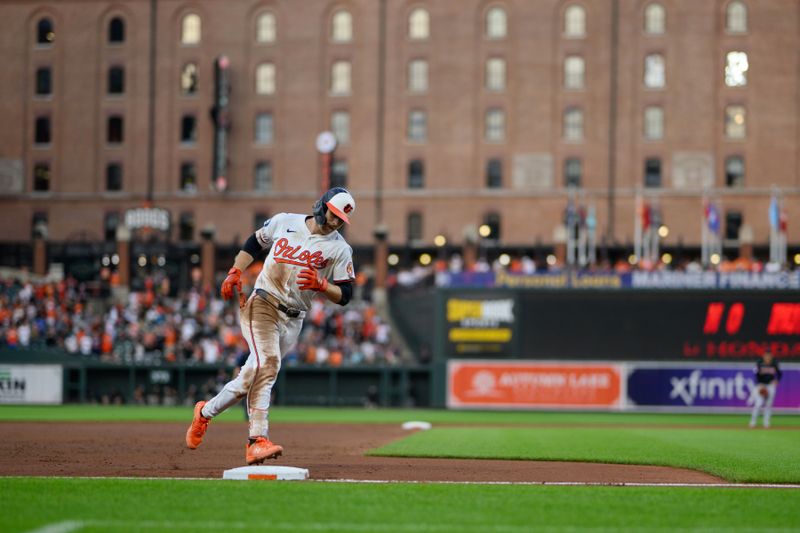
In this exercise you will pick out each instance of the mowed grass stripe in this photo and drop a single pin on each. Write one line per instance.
(164, 505)
(735, 455)
(383, 416)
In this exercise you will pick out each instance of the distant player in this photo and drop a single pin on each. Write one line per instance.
(304, 252)
(768, 374)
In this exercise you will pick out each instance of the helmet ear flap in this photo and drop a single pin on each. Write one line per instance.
(319, 212)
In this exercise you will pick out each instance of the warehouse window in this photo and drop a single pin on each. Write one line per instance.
(116, 80)
(41, 176)
(264, 132)
(115, 130)
(339, 173)
(263, 177)
(110, 225)
(419, 24)
(188, 177)
(265, 78)
(45, 34)
(495, 126)
(189, 79)
(494, 173)
(116, 30)
(414, 227)
(573, 171)
(188, 129)
(342, 27)
(573, 124)
(652, 172)
(496, 74)
(41, 133)
(574, 69)
(655, 18)
(735, 122)
(416, 174)
(653, 123)
(191, 29)
(736, 67)
(44, 81)
(496, 23)
(266, 28)
(733, 224)
(417, 76)
(574, 22)
(186, 226)
(340, 78)
(417, 126)
(492, 220)
(734, 171)
(736, 17)
(340, 126)
(114, 177)
(654, 71)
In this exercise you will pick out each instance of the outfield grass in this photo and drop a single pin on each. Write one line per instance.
(738, 455)
(88, 505)
(383, 416)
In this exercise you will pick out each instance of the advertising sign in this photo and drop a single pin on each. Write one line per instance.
(31, 384)
(480, 325)
(706, 386)
(528, 384)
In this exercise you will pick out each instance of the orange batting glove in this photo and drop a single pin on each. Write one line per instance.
(309, 280)
(233, 281)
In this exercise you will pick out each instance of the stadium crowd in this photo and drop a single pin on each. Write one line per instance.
(195, 327)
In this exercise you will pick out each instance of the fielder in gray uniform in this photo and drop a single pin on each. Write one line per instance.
(304, 253)
(768, 374)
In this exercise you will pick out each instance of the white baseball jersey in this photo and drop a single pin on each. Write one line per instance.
(292, 248)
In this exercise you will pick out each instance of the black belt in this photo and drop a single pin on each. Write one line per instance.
(291, 313)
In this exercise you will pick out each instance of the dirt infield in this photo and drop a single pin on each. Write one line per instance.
(328, 451)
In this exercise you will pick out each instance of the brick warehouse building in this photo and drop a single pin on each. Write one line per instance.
(449, 114)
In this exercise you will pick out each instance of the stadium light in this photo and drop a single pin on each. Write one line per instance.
(504, 259)
(715, 258)
(632, 259)
(393, 259)
(485, 230)
(425, 259)
(666, 258)
(797, 259)
(551, 260)
(440, 240)
(142, 262)
(663, 231)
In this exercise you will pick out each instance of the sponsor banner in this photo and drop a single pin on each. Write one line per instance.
(706, 386)
(482, 324)
(31, 384)
(527, 384)
(628, 280)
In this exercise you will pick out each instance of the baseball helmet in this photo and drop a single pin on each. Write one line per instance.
(339, 201)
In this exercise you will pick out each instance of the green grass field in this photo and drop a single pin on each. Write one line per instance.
(715, 443)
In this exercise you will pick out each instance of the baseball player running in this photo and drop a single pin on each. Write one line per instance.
(768, 374)
(304, 252)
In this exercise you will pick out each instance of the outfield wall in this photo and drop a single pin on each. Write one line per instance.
(629, 386)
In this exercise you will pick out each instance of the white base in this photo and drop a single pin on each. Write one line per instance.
(417, 424)
(288, 473)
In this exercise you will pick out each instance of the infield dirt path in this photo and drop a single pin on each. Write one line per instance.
(328, 451)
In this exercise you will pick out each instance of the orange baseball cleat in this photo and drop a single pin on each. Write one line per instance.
(262, 449)
(194, 435)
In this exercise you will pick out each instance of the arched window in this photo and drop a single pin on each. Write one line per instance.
(575, 21)
(342, 27)
(265, 78)
(116, 30)
(655, 17)
(266, 28)
(419, 24)
(45, 34)
(736, 17)
(190, 29)
(496, 23)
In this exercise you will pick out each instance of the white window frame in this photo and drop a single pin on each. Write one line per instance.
(340, 126)
(341, 78)
(655, 19)
(575, 22)
(263, 183)
(264, 128)
(191, 29)
(735, 122)
(418, 76)
(573, 124)
(496, 74)
(653, 123)
(736, 17)
(736, 67)
(655, 71)
(266, 83)
(496, 23)
(342, 27)
(574, 72)
(495, 125)
(417, 126)
(266, 28)
(419, 24)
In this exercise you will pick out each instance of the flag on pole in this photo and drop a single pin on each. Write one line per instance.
(774, 213)
(646, 216)
(712, 217)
